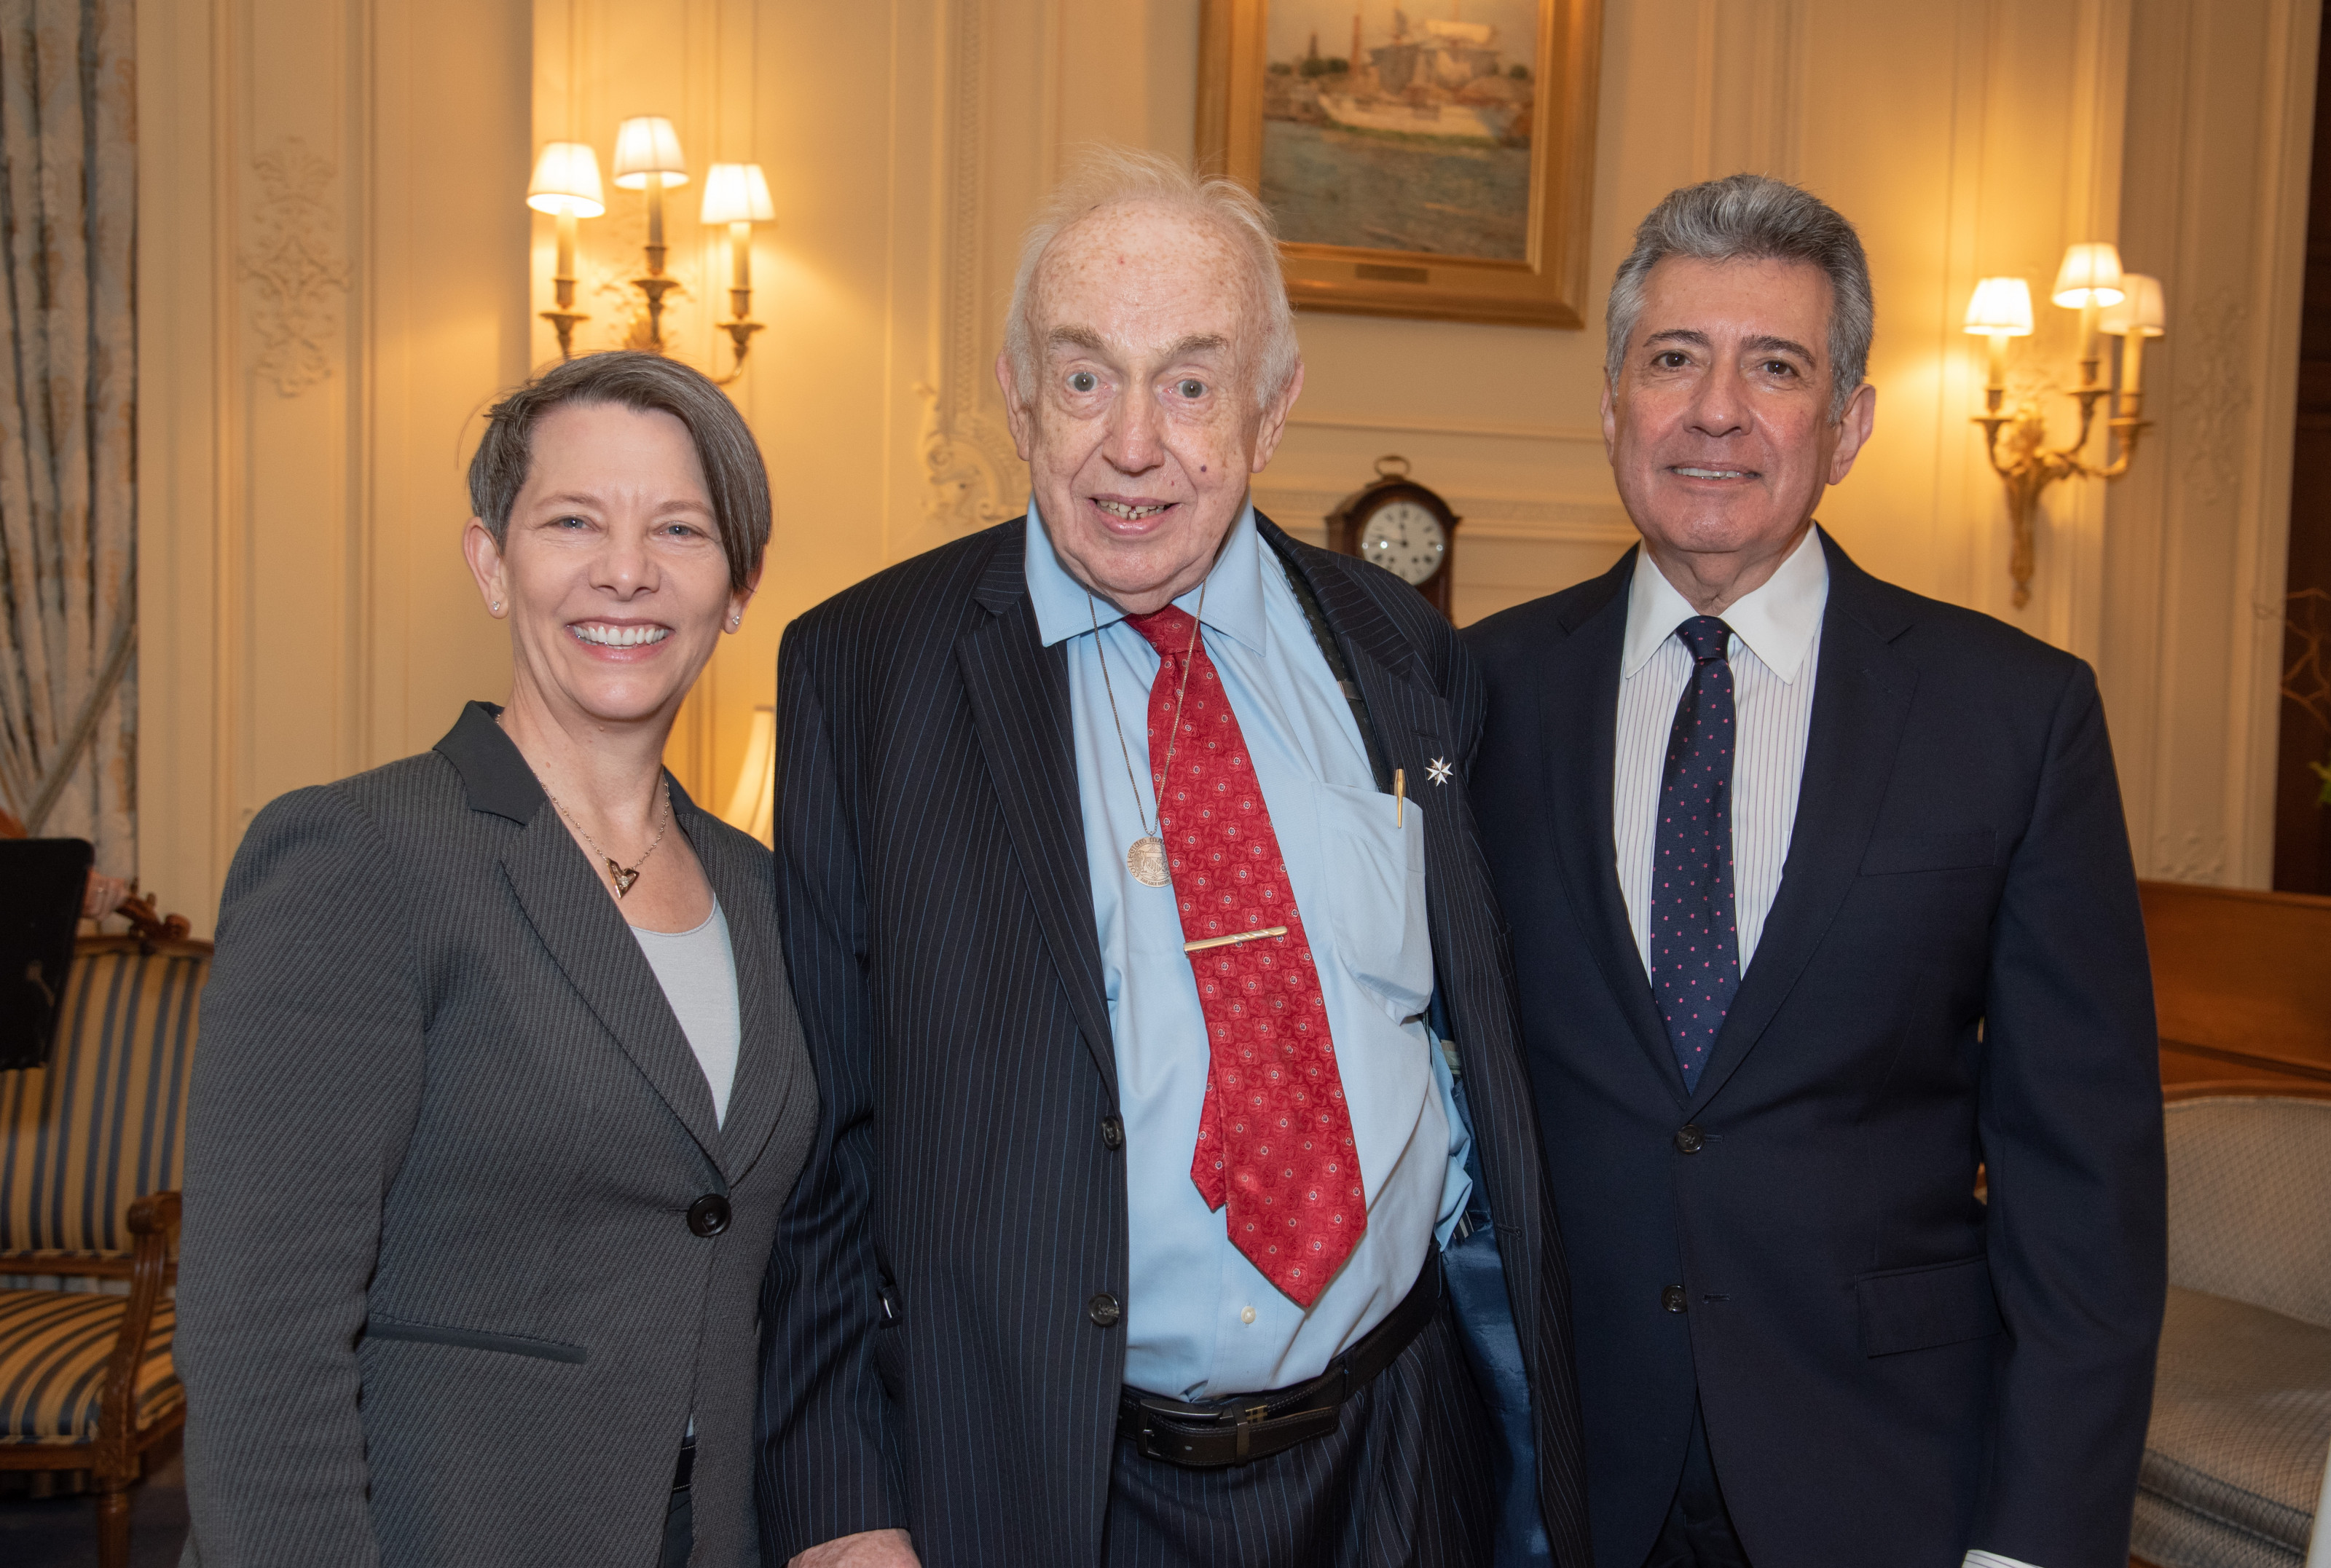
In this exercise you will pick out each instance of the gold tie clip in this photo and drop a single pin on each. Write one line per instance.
(1234, 936)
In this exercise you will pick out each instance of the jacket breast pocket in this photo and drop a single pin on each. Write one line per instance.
(1889, 857)
(1375, 882)
(390, 1328)
(1919, 1308)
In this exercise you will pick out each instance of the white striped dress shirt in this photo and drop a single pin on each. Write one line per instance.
(1776, 651)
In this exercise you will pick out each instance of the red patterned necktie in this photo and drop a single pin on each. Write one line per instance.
(1275, 1139)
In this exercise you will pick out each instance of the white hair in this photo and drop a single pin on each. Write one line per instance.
(1115, 176)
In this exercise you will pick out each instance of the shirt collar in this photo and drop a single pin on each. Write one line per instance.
(1233, 590)
(1777, 620)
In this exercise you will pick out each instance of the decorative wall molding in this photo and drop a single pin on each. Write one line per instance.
(298, 270)
(2212, 403)
(966, 454)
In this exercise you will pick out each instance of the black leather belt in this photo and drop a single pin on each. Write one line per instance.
(1248, 1426)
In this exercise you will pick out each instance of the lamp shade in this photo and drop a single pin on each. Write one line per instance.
(647, 146)
(567, 180)
(2091, 275)
(2001, 305)
(752, 805)
(2143, 312)
(736, 194)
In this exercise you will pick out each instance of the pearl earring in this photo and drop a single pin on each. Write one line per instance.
(497, 607)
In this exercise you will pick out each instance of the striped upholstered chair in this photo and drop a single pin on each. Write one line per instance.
(91, 1149)
(2242, 1403)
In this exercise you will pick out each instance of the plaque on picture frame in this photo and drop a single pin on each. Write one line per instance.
(1430, 159)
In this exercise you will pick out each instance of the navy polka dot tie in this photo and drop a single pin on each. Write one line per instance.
(1695, 940)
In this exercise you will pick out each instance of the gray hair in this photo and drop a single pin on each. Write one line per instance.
(1113, 176)
(734, 474)
(1753, 218)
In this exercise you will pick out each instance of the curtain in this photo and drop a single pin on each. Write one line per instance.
(67, 419)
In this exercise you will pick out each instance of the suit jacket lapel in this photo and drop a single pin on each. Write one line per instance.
(768, 1033)
(1860, 701)
(586, 934)
(1578, 689)
(1019, 692)
(569, 909)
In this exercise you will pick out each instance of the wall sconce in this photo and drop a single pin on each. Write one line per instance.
(752, 805)
(737, 195)
(2090, 282)
(565, 185)
(648, 157)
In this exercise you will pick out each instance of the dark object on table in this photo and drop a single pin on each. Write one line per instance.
(38, 916)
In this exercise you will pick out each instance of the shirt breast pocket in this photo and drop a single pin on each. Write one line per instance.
(1375, 895)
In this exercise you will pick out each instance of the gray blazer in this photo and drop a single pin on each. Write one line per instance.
(444, 1301)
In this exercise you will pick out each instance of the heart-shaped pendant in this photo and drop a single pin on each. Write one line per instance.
(624, 880)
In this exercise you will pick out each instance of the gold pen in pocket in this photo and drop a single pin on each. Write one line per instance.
(1399, 797)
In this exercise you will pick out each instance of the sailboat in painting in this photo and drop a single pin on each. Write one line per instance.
(1442, 78)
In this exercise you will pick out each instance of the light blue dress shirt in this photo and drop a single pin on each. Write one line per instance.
(1202, 1322)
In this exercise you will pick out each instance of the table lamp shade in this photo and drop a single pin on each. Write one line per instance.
(736, 194)
(2001, 305)
(2091, 275)
(2143, 312)
(567, 179)
(752, 805)
(647, 146)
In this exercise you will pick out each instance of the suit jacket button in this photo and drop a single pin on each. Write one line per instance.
(1674, 1300)
(709, 1215)
(1103, 1309)
(1112, 1131)
(1688, 1139)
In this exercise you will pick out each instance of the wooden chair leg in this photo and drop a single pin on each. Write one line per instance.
(113, 1525)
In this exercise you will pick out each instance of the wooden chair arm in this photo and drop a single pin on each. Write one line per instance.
(105, 1266)
(150, 923)
(153, 1223)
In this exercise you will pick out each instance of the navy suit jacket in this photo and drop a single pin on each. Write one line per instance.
(931, 1359)
(1953, 975)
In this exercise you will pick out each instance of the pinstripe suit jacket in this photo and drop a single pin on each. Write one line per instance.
(931, 1361)
(441, 1304)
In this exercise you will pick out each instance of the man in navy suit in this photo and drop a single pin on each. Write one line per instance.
(1822, 911)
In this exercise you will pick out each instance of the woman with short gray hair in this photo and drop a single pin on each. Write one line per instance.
(501, 1087)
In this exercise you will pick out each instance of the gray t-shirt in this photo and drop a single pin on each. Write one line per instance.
(698, 971)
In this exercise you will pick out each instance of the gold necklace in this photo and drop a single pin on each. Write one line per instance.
(616, 873)
(1146, 858)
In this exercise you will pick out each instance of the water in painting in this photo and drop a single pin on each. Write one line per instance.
(1402, 127)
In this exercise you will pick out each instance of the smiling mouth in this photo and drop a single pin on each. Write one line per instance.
(1712, 473)
(619, 636)
(1131, 511)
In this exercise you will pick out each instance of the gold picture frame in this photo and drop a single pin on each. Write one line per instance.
(1545, 285)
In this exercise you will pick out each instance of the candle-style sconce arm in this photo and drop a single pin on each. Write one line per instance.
(565, 316)
(563, 323)
(2029, 466)
(740, 333)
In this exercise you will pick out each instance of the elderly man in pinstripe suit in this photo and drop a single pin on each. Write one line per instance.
(1158, 1000)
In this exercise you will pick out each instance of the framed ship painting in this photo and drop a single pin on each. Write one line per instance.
(1429, 157)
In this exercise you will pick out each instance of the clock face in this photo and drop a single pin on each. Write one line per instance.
(1406, 539)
